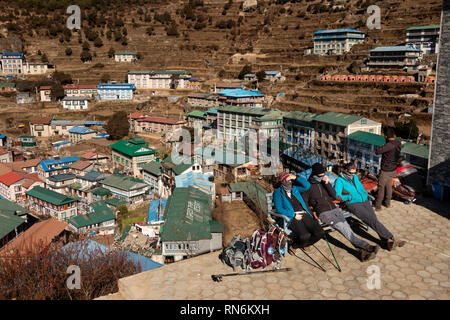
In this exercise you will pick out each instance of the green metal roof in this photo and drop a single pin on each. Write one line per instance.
(7, 84)
(62, 177)
(115, 202)
(50, 196)
(153, 168)
(418, 150)
(133, 147)
(299, 115)
(187, 216)
(196, 114)
(252, 190)
(8, 223)
(178, 168)
(368, 137)
(10, 207)
(337, 118)
(100, 191)
(215, 226)
(101, 213)
(424, 27)
(123, 182)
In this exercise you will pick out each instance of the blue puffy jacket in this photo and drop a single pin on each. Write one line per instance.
(351, 191)
(281, 201)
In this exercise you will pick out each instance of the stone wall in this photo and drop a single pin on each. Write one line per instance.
(439, 161)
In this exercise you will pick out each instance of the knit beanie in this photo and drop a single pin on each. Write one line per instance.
(317, 168)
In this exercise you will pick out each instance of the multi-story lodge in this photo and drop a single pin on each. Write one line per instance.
(34, 67)
(337, 41)
(126, 188)
(46, 127)
(424, 38)
(361, 149)
(60, 182)
(157, 124)
(116, 91)
(394, 57)
(100, 219)
(241, 97)
(196, 119)
(48, 202)
(125, 56)
(299, 129)
(131, 154)
(12, 63)
(236, 121)
(332, 128)
(166, 79)
(151, 174)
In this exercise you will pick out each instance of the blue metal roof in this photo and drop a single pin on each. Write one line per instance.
(240, 93)
(86, 248)
(394, 49)
(76, 122)
(60, 143)
(195, 179)
(337, 37)
(272, 72)
(156, 205)
(45, 163)
(10, 54)
(81, 130)
(115, 86)
(338, 31)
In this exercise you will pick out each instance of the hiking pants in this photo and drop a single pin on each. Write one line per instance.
(364, 211)
(385, 187)
(307, 231)
(335, 219)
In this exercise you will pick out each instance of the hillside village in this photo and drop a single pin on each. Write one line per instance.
(324, 92)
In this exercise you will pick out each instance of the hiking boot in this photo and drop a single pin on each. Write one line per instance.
(366, 255)
(371, 248)
(391, 244)
(387, 205)
(378, 209)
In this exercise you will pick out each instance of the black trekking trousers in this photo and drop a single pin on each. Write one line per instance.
(364, 211)
(306, 231)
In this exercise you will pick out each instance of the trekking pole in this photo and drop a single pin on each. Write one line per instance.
(218, 277)
(339, 268)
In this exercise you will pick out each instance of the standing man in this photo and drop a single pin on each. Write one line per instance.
(390, 152)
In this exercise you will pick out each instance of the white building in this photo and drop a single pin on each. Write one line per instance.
(125, 56)
(336, 41)
(75, 103)
(168, 79)
(12, 63)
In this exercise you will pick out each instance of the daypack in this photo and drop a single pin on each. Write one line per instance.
(279, 243)
(260, 256)
(236, 254)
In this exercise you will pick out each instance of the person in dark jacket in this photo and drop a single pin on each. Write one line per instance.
(390, 152)
(321, 196)
(351, 190)
(289, 202)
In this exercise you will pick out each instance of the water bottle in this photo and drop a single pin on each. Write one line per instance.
(270, 250)
(282, 251)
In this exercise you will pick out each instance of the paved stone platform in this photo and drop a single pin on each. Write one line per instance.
(419, 270)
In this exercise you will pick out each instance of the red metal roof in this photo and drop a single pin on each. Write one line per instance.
(135, 115)
(80, 86)
(41, 121)
(45, 87)
(10, 178)
(160, 120)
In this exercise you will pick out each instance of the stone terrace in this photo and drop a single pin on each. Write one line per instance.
(419, 270)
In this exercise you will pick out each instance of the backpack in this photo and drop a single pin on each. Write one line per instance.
(236, 254)
(279, 243)
(260, 255)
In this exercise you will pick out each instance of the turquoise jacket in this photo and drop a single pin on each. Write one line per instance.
(351, 191)
(281, 201)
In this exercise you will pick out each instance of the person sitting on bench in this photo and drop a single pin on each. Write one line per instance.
(289, 202)
(350, 189)
(321, 196)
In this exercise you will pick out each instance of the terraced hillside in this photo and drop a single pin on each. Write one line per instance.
(273, 37)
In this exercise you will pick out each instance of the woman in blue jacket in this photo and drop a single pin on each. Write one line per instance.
(351, 190)
(289, 202)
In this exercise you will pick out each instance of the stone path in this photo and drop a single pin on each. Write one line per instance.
(419, 270)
